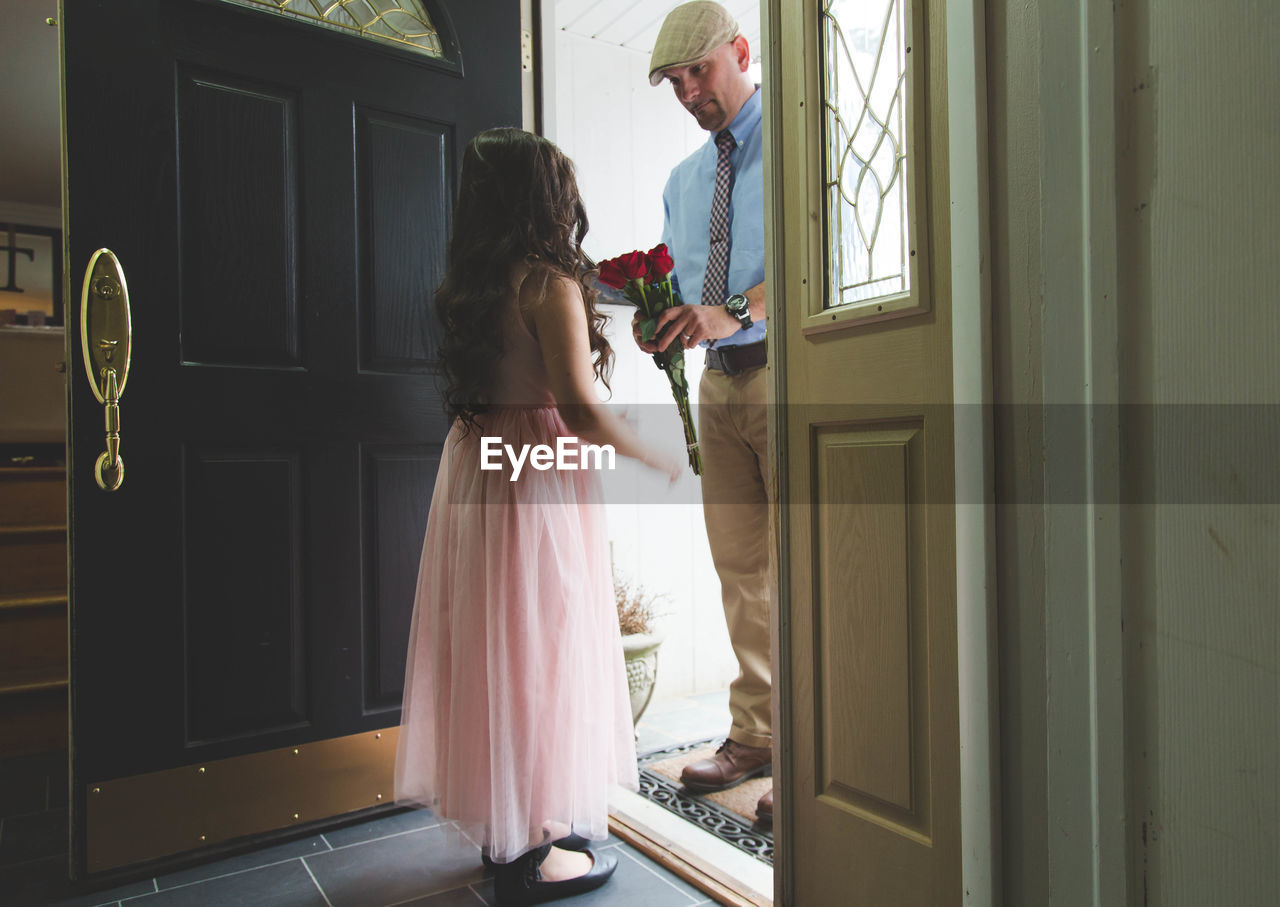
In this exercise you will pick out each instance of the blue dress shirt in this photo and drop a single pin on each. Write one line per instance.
(686, 203)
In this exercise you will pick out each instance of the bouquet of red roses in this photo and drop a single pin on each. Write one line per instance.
(645, 280)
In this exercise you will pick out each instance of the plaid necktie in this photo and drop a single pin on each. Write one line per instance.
(716, 280)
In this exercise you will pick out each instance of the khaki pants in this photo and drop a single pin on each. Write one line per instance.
(733, 436)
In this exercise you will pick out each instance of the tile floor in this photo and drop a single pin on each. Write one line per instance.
(670, 722)
(404, 858)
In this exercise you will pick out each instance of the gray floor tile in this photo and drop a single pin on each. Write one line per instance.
(660, 707)
(106, 896)
(484, 890)
(283, 885)
(693, 724)
(648, 739)
(671, 878)
(410, 820)
(637, 883)
(396, 869)
(251, 860)
(683, 719)
(459, 897)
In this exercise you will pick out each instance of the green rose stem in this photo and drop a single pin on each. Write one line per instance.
(670, 360)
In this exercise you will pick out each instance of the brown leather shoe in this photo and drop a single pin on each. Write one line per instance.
(732, 764)
(764, 808)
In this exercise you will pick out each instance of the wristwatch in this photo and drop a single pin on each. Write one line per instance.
(737, 306)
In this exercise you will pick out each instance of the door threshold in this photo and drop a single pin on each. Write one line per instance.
(720, 870)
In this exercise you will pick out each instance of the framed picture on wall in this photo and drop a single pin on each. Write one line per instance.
(30, 274)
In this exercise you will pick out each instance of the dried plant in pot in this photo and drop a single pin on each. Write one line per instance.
(640, 641)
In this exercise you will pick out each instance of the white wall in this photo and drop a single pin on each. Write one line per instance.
(1196, 323)
(1210, 546)
(625, 136)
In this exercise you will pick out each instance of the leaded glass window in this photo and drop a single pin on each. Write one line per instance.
(404, 23)
(865, 101)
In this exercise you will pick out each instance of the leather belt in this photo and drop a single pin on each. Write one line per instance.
(733, 360)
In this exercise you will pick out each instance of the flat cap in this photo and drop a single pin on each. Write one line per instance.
(690, 32)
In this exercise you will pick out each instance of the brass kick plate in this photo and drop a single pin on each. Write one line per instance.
(132, 820)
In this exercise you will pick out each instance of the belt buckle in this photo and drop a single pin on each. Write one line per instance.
(722, 362)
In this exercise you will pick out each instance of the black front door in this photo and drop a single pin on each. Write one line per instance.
(278, 192)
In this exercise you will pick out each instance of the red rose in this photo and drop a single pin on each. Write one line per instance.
(660, 263)
(634, 265)
(611, 275)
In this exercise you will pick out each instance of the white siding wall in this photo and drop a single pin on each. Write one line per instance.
(1198, 324)
(625, 136)
(1211, 621)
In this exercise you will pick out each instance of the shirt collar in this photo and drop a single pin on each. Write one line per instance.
(748, 118)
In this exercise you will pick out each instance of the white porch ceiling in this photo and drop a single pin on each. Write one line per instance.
(634, 24)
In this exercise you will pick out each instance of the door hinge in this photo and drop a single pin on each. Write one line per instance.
(526, 50)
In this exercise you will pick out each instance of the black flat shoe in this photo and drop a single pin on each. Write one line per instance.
(570, 841)
(520, 882)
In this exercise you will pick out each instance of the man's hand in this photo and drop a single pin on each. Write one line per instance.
(687, 325)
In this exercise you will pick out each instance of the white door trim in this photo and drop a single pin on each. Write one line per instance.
(775, 341)
(977, 665)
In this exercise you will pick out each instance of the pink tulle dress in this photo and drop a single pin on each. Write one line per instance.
(516, 711)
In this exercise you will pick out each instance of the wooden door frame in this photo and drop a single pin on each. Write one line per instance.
(1084, 694)
(974, 461)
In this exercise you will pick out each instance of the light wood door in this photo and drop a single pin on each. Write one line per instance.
(869, 792)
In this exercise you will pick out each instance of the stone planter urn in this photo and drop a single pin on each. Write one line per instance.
(640, 653)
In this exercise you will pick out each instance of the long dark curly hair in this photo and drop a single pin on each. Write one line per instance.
(518, 201)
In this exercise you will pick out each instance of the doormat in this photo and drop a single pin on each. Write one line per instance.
(729, 815)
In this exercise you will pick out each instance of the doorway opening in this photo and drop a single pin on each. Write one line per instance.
(33, 515)
(625, 137)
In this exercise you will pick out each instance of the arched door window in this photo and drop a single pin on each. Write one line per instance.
(401, 23)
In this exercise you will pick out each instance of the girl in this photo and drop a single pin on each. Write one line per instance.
(516, 718)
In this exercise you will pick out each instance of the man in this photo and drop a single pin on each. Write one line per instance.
(714, 227)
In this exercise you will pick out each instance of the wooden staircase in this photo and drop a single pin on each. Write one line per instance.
(33, 609)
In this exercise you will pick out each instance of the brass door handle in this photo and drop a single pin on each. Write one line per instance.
(106, 340)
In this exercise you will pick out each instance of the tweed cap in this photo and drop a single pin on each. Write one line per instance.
(690, 32)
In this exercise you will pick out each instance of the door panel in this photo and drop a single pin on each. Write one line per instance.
(246, 665)
(405, 169)
(279, 195)
(396, 479)
(868, 483)
(870, 782)
(238, 202)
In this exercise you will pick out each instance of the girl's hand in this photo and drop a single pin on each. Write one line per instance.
(666, 463)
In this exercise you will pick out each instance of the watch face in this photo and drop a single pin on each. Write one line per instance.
(736, 304)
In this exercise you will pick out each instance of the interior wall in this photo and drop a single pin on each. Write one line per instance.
(30, 171)
(1200, 202)
(624, 137)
